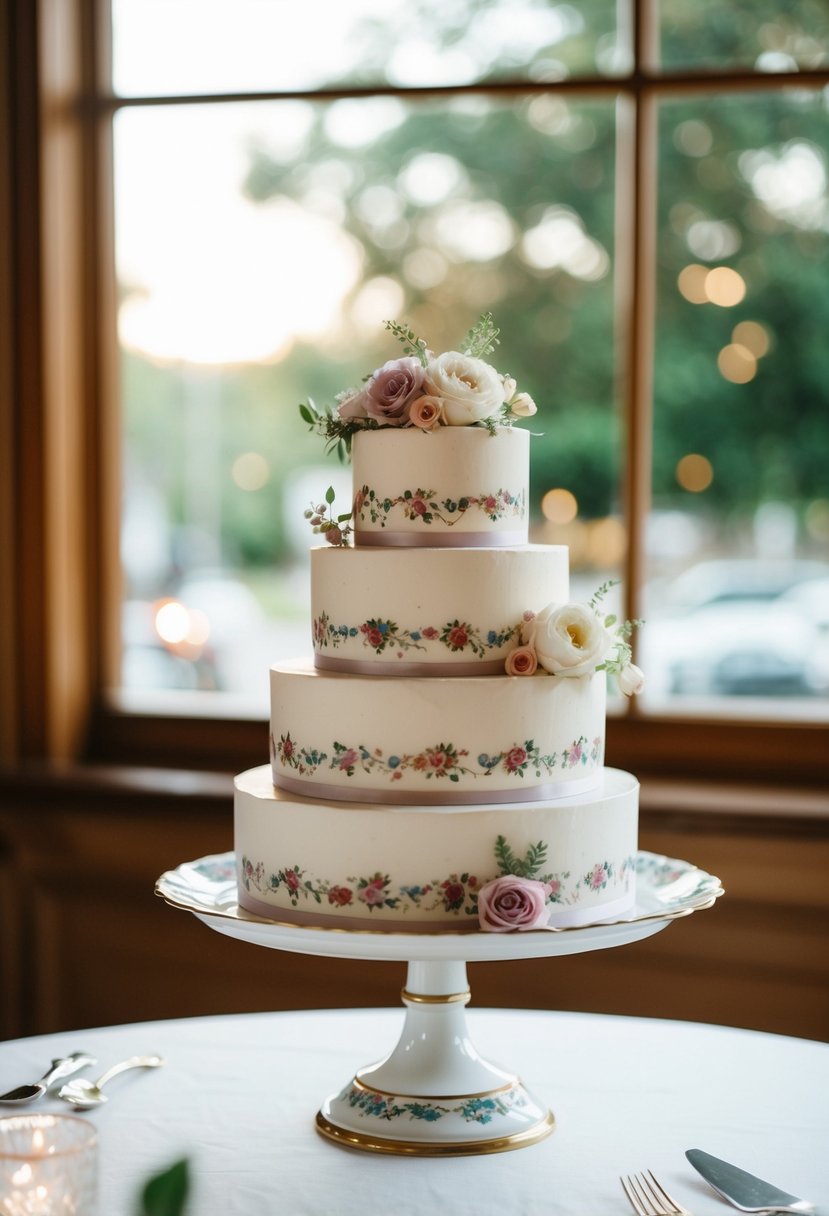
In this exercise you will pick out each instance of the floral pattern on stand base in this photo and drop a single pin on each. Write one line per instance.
(481, 1108)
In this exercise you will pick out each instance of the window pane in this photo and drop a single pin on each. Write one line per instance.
(764, 34)
(738, 600)
(191, 46)
(260, 248)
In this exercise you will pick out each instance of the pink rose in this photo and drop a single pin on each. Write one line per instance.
(458, 637)
(340, 896)
(521, 662)
(426, 412)
(291, 880)
(514, 758)
(429, 632)
(374, 893)
(490, 503)
(392, 388)
(348, 758)
(418, 506)
(453, 892)
(510, 902)
(288, 748)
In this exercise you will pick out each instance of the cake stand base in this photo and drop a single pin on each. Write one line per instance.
(434, 1095)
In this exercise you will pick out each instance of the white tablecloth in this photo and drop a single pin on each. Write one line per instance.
(239, 1094)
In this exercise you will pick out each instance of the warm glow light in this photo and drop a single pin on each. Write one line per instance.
(22, 1176)
(172, 622)
(691, 283)
(737, 363)
(606, 542)
(694, 473)
(250, 471)
(753, 336)
(180, 626)
(724, 286)
(559, 506)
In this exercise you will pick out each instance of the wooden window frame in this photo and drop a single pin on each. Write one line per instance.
(59, 436)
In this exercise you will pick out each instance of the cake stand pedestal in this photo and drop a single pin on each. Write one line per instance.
(434, 1095)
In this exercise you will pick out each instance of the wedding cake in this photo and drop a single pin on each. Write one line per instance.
(438, 764)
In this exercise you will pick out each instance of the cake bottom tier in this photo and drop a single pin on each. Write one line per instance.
(420, 868)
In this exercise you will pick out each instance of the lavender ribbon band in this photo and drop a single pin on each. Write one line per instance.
(393, 796)
(367, 667)
(441, 540)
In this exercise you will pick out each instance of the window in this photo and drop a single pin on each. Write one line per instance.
(639, 195)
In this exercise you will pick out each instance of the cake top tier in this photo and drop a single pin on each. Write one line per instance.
(436, 460)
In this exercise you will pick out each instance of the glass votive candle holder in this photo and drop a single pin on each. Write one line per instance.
(48, 1166)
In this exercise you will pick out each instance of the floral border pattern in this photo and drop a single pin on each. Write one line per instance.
(441, 761)
(423, 506)
(385, 635)
(471, 1110)
(455, 894)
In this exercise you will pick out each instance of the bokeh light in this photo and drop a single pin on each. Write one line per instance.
(753, 336)
(606, 542)
(737, 363)
(559, 506)
(694, 473)
(250, 471)
(691, 283)
(724, 286)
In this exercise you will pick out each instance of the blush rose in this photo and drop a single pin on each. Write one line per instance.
(521, 662)
(511, 903)
(391, 390)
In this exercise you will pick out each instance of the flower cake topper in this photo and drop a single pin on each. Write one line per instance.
(425, 391)
(573, 640)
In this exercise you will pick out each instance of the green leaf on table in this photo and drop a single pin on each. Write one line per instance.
(166, 1194)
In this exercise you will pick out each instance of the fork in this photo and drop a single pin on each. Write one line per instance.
(649, 1197)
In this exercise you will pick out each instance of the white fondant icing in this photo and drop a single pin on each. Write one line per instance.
(434, 739)
(386, 866)
(409, 612)
(440, 485)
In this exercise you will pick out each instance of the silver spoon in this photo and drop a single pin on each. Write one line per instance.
(60, 1068)
(84, 1094)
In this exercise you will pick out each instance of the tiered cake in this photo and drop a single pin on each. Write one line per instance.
(438, 766)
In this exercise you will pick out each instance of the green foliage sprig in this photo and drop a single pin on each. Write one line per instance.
(337, 432)
(482, 338)
(524, 867)
(412, 344)
(622, 654)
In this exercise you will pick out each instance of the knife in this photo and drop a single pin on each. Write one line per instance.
(746, 1192)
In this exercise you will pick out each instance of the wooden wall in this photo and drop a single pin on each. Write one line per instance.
(85, 942)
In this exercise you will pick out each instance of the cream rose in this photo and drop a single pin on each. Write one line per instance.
(469, 388)
(352, 405)
(569, 639)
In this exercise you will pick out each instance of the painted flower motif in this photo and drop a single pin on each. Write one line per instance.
(521, 662)
(569, 639)
(340, 897)
(512, 903)
(458, 637)
(515, 759)
(374, 892)
(430, 632)
(348, 759)
(469, 388)
(418, 506)
(292, 880)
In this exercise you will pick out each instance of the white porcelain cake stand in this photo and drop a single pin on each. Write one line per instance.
(434, 1095)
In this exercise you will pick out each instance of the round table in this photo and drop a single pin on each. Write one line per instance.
(238, 1096)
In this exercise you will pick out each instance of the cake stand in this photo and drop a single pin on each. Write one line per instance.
(434, 1095)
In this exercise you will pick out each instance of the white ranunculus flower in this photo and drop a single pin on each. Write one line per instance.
(469, 388)
(631, 680)
(569, 639)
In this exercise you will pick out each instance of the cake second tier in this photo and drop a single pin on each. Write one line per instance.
(464, 739)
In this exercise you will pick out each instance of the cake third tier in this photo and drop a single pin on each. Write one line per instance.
(464, 739)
